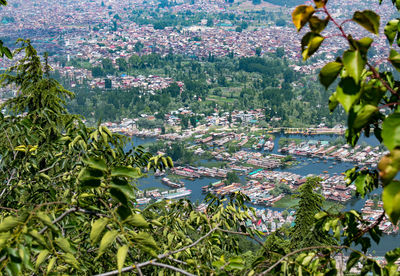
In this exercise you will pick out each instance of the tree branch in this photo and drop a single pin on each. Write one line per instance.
(73, 209)
(59, 218)
(168, 255)
(242, 234)
(184, 272)
(376, 75)
(161, 256)
(301, 250)
(367, 229)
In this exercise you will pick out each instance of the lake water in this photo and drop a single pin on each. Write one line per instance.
(305, 167)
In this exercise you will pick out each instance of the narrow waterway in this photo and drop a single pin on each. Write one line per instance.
(305, 166)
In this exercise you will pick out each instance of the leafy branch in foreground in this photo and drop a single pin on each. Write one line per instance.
(371, 99)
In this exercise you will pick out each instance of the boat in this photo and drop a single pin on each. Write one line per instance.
(143, 200)
(169, 183)
(159, 173)
(182, 192)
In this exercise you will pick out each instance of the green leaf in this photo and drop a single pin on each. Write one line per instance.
(95, 163)
(41, 257)
(347, 92)
(363, 116)
(90, 173)
(119, 196)
(391, 131)
(9, 223)
(360, 184)
(363, 45)
(63, 243)
(354, 64)
(392, 255)
(137, 220)
(301, 15)
(310, 43)
(394, 59)
(46, 220)
(13, 269)
(329, 73)
(146, 240)
(391, 30)
(391, 201)
(91, 183)
(70, 259)
(106, 241)
(368, 19)
(4, 237)
(317, 25)
(51, 264)
(39, 238)
(320, 215)
(353, 259)
(306, 261)
(97, 228)
(126, 172)
(124, 211)
(127, 190)
(7, 52)
(121, 256)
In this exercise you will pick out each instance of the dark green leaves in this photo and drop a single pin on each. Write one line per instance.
(368, 19)
(90, 177)
(391, 201)
(318, 25)
(310, 44)
(329, 73)
(126, 172)
(393, 255)
(353, 259)
(5, 51)
(301, 15)
(95, 163)
(391, 131)
(391, 29)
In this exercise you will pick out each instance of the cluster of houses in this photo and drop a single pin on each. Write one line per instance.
(150, 84)
(372, 210)
(268, 221)
(363, 155)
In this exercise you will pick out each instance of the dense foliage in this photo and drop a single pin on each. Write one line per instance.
(224, 83)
